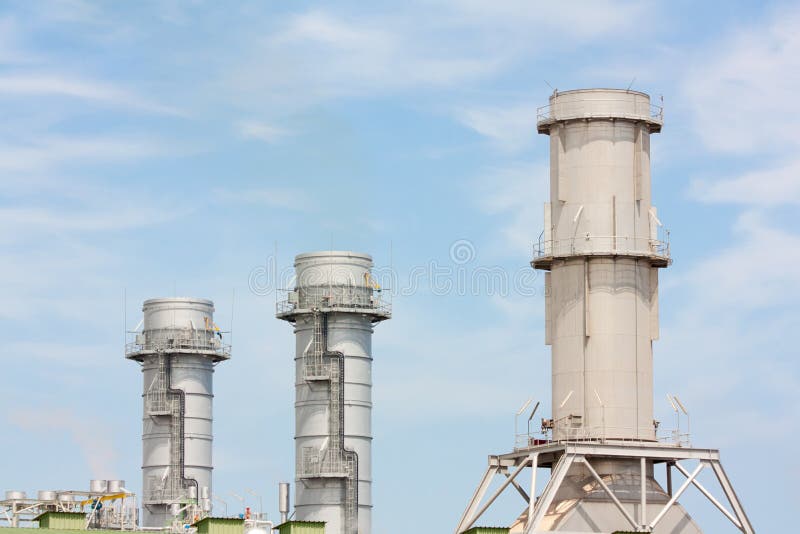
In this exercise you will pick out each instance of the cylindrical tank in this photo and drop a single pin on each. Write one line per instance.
(12, 495)
(98, 486)
(602, 250)
(65, 498)
(177, 348)
(46, 495)
(115, 486)
(335, 305)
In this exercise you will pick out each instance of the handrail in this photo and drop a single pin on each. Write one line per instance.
(337, 297)
(172, 339)
(594, 245)
(551, 112)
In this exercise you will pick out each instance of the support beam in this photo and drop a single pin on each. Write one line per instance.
(643, 481)
(516, 485)
(727, 487)
(496, 494)
(534, 468)
(556, 479)
(610, 493)
(710, 497)
(669, 477)
(476, 498)
(677, 495)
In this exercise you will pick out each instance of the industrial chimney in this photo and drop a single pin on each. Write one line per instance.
(601, 250)
(178, 347)
(334, 306)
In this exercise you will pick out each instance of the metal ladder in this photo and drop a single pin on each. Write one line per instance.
(156, 402)
(319, 365)
(314, 365)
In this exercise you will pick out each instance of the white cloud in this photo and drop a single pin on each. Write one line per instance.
(321, 54)
(735, 280)
(37, 85)
(324, 53)
(61, 354)
(285, 198)
(580, 20)
(49, 152)
(508, 128)
(86, 431)
(744, 90)
(11, 51)
(763, 187)
(517, 193)
(258, 130)
(438, 384)
(24, 221)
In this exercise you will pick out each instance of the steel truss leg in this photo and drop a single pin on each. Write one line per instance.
(534, 468)
(643, 481)
(727, 487)
(549, 493)
(477, 497)
(677, 494)
(497, 493)
(710, 497)
(519, 488)
(609, 493)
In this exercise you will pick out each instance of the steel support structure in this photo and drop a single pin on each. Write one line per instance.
(559, 457)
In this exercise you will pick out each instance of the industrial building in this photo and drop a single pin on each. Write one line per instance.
(601, 250)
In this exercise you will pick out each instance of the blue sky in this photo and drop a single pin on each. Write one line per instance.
(165, 148)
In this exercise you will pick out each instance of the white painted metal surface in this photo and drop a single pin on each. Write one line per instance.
(178, 348)
(602, 246)
(603, 283)
(333, 306)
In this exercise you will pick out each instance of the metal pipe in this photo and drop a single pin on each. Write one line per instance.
(283, 501)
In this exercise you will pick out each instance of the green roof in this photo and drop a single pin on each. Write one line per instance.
(28, 530)
(301, 527)
(487, 530)
(220, 525)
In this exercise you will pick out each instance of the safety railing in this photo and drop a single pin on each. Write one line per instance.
(336, 297)
(332, 464)
(161, 491)
(588, 245)
(174, 339)
(565, 433)
(603, 108)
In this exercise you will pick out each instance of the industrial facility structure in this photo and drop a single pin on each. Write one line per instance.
(107, 504)
(334, 305)
(178, 347)
(601, 250)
